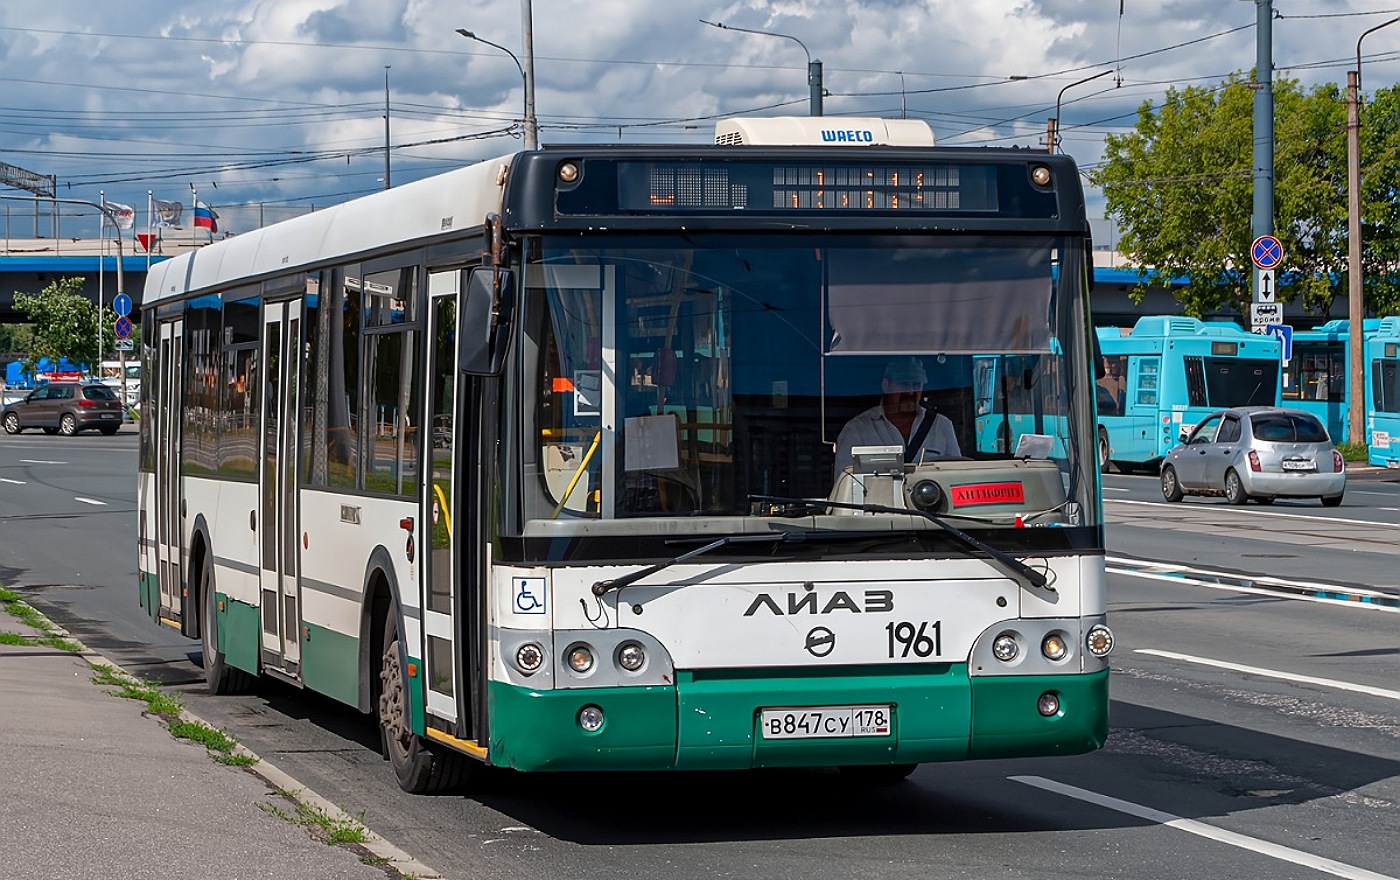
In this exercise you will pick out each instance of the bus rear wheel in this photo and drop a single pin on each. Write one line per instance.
(1103, 450)
(419, 769)
(219, 677)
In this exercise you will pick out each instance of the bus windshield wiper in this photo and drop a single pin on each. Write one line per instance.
(1009, 565)
(617, 583)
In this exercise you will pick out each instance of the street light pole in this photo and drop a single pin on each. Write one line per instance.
(1356, 305)
(1052, 132)
(814, 68)
(532, 140)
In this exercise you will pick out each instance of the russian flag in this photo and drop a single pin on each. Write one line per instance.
(205, 218)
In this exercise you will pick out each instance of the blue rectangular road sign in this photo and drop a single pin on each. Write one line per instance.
(1284, 332)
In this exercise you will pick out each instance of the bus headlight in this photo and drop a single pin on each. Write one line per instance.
(580, 658)
(1099, 641)
(631, 657)
(529, 657)
(1005, 648)
(1053, 647)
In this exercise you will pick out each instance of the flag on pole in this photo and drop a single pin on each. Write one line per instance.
(205, 218)
(166, 214)
(117, 214)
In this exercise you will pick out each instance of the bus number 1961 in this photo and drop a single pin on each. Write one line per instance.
(923, 639)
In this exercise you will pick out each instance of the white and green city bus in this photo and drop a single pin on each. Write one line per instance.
(534, 460)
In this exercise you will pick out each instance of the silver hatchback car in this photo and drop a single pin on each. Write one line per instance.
(1258, 452)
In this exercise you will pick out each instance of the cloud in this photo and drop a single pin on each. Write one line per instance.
(281, 102)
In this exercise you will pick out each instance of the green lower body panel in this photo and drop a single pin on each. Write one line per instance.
(150, 592)
(721, 717)
(330, 664)
(1006, 723)
(538, 730)
(238, 633)
(714, 720)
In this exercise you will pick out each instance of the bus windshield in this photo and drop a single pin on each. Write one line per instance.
(698, 377)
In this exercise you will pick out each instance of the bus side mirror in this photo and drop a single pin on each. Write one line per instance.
(483, 321)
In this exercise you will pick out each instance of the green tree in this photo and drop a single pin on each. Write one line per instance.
(1181, 185)
(64, 323)
(16, 337)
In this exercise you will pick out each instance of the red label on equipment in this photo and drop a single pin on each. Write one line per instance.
(987, 493)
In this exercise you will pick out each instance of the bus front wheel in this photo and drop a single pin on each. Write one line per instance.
(419, 769)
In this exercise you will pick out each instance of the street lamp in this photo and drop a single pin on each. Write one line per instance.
(1356, 308)
(1052, 131)
(814, 68)
(532, 129)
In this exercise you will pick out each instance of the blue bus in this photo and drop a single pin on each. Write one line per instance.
(1383, 403)
(1316, 377)
(1169, 372)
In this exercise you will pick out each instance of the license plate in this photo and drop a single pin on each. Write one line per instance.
(1299, 466)
(109, 415)
(827, 722)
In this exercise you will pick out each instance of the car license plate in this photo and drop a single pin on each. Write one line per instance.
(109, 415)
(1299, 466)
(827, 722)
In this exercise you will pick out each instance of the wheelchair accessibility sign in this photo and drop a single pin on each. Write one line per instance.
(528, 595)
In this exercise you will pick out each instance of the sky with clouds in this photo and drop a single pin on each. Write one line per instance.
(267, 108)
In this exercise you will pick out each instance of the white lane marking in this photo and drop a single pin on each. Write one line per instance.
(8, 480)
(1225, 508)
(1270, 673)
(1115, 489)
(39, 461)
(1256, 591)
(1391, 509)
(90, 501)
(1202, 829)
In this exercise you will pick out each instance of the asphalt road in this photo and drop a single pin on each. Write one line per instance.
(1256, 716)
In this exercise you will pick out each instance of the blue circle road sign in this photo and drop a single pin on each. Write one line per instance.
(1267, 252)
(121, 304)
(123, 327)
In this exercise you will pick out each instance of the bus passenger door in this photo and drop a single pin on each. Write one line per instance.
(448, 647)
(278, 523)
(169, 524)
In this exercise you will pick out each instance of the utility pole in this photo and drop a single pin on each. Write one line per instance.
(1263, 222)
(387, 184)
(532, 125)
(1356, 297)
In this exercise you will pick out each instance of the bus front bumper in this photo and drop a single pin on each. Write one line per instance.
(713, 720)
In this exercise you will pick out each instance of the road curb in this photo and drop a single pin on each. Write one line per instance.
(274, 777)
